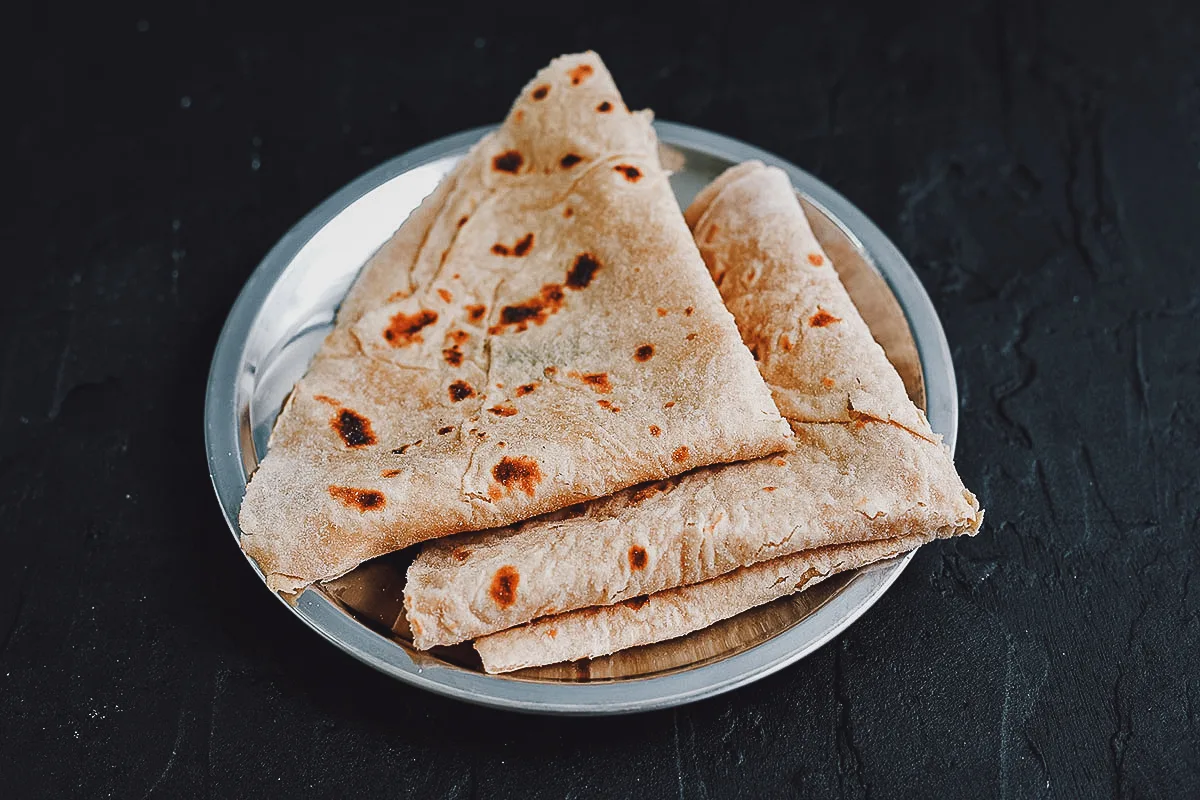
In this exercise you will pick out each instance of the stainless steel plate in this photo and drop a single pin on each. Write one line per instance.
(288, 306)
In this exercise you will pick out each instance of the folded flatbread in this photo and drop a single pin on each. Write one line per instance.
(866, 467)
(540, 331)
(601, 630)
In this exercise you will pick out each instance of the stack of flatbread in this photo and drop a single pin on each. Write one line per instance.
(612, 423)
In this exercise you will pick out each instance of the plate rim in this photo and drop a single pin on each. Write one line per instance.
(602, 697)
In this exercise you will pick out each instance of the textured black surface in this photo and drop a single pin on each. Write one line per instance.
(1039, 166)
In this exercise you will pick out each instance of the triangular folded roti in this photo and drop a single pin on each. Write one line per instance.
(866, 466)
(541, 331)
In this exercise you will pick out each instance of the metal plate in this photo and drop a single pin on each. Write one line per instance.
(287, 307)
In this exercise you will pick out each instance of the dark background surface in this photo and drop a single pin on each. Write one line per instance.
(1040, 167)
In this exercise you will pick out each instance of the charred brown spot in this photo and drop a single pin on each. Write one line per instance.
(567, 212)
(475, 312)
(644, 353)
(631, 173)
(540, 92)
(324, 398)
(460, 390)
(453, 356)
(687, 312)
(523, 244)
(518, 248)
(582, 271)
(503, 410)
(354, 428)
(460, 554)
(445, 295)
(636, 603)
(552, 633)
(504, 586)
(510, 161)
(405, 329)
(458, 337)
(549, 302)
(822, 318)
(570, 160)
(785, 343)
(638, 557)
(390, 473)
(362, 499)
(690, 337)
(779, 461)
(536, 310)
(827, 382)
(398, 295)
(754, 352)
(655, 430)
(521, 472)
(526, 388)
(649, 490)
(598, 381)
(445, 430)
(680, 455)
(670, 404)
(580, 74)
(402, 449)
(770, 488)
(608, 405)
(604, 107)
(462, 221)
(816, 259)
(550, 371)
